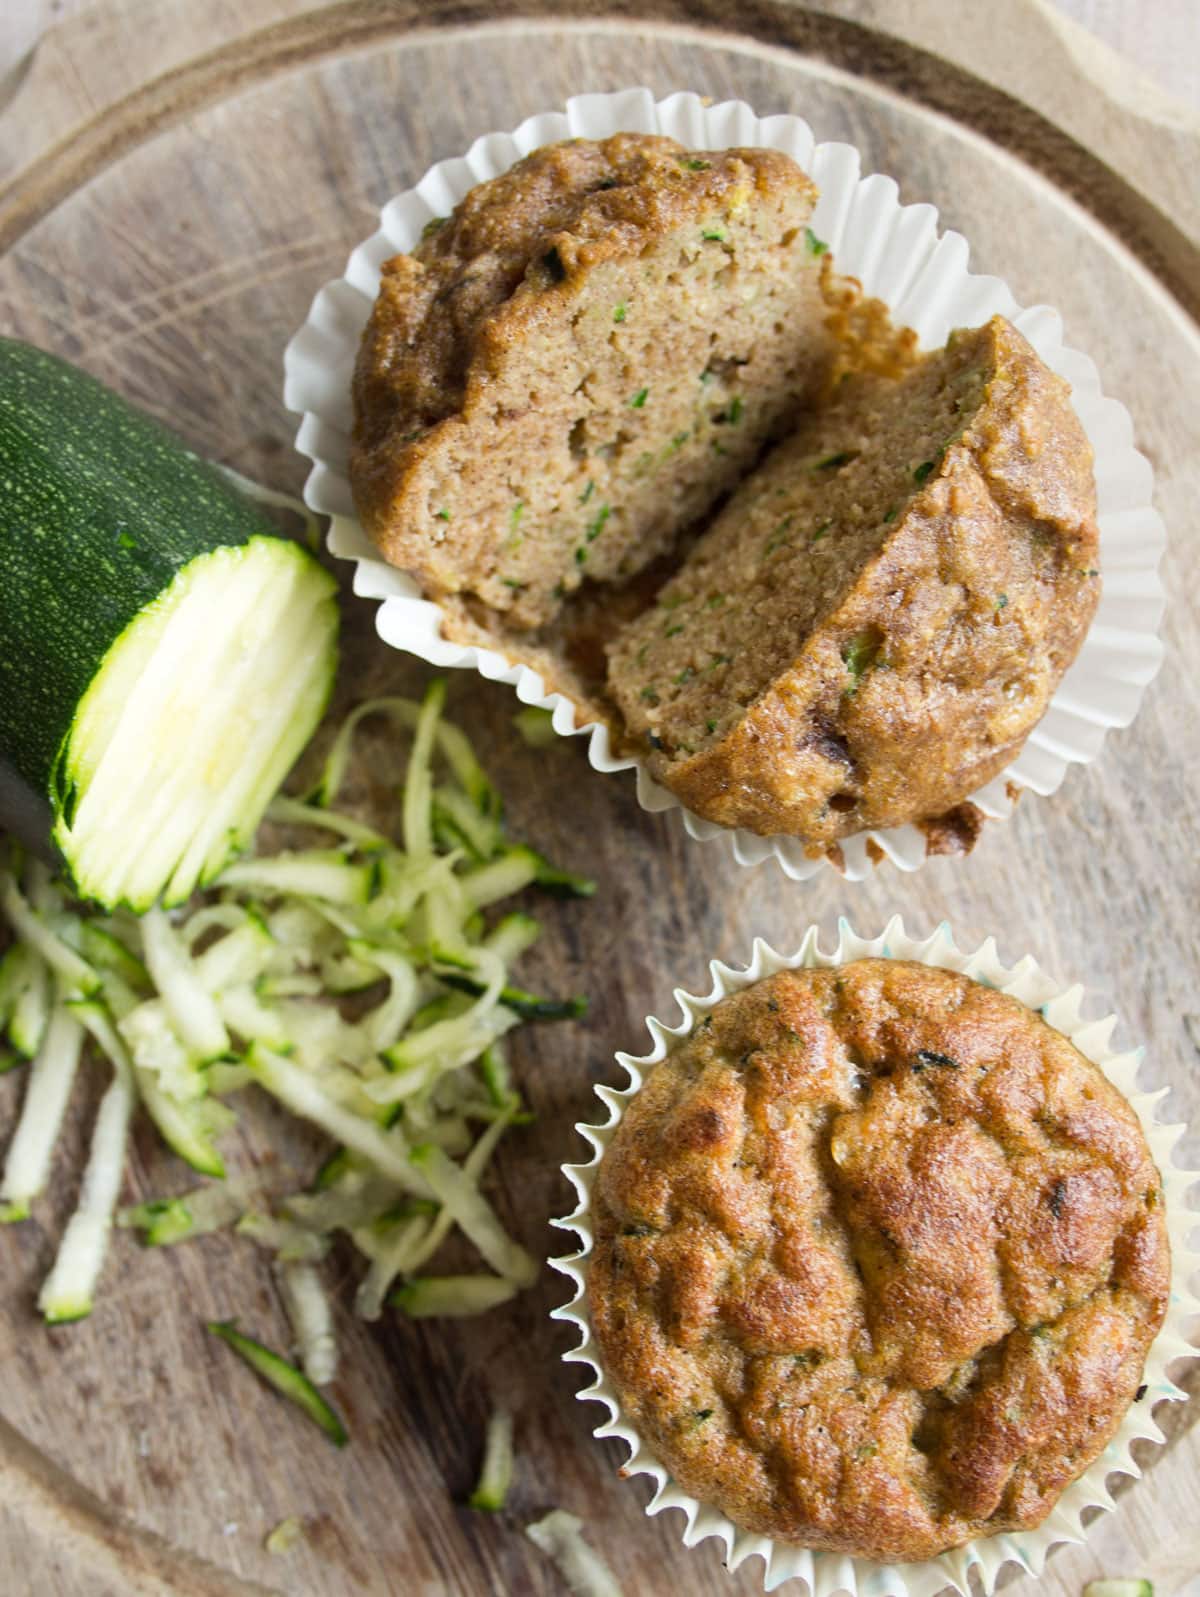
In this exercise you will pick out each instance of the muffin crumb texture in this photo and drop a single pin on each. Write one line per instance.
(878, 1259)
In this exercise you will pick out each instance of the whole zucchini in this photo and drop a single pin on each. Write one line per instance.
(164, 655)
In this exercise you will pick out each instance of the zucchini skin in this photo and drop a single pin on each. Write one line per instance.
(100, 508)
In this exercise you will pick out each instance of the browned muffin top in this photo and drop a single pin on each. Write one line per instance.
(879, 1256)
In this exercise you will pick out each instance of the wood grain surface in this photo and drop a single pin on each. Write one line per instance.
(168, 234)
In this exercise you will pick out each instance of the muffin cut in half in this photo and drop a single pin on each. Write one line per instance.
(878, 1259)
(580, 362)
(870, 629)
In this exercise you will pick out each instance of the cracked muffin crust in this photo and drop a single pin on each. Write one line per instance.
(874, 624)
(878, 1259)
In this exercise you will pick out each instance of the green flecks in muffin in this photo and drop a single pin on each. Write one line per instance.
(710, 727)
(640, 656)
(832, 462)
(924, 470)
(672, 601)
(736, 407)
(714, 600)
(718, 660)
(860, 653)
(1001, 601)
(1057, 1198)
(620, 311)
(794, 1037)
(432, 226)
(411, 438)
(1090, 572)
(810, 1357)
(515, 514)
(676, 444)
(442, 515)
(717, 446)
(706, 376)
(581, 555)
(821, 531)
(596, 527)
(650, 695)
(779, 537)
(693, 163)
(685, 675)
(673, 632)
(552, 265)
(558, 591)
(589, 490)
(702, 1414)
(511, 582)
(638, 1231)
(639, 399)
(643, 463)
(927, 1059)
(890, 515)
(714, 235)
(815, 246)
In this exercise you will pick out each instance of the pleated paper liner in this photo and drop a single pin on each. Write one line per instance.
(898, 254)
(822, 1572)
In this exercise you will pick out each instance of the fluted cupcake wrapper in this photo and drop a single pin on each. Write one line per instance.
(898, 254)
(822, 1572)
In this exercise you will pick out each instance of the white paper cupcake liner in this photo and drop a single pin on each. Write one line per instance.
(898, 254)
(826, 1573)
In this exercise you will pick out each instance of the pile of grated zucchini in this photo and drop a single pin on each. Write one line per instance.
(363, 983)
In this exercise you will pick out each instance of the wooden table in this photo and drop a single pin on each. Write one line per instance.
(180, 179)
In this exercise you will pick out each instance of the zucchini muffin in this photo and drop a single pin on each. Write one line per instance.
(580, 362)
(878, 619)
(878, 1259)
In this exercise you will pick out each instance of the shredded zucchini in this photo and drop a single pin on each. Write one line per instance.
(284, 1377)
(363, 983)
(536, 727)
(162, 1221)
(559, 1536)
(311, 1318)
(285, 1536)
(452, 1296)
(67, 1291)
(495, 1477)
(46, 1095)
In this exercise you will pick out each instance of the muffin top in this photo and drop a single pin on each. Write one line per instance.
(878, 1259)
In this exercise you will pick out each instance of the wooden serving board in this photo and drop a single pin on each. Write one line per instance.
(213, 166)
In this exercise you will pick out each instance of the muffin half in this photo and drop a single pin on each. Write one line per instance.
(878, 619)
(580, 361)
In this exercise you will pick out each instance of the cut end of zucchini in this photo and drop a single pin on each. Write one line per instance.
(66, 1312)
(194, 718)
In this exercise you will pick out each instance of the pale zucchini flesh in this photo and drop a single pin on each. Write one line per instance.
(192, 720)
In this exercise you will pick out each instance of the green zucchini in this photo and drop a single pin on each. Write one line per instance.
(284, 1377)
(495, 1476)
(164, 656)
(451, 1296)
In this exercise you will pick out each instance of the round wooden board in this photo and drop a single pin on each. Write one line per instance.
(137, 1456)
